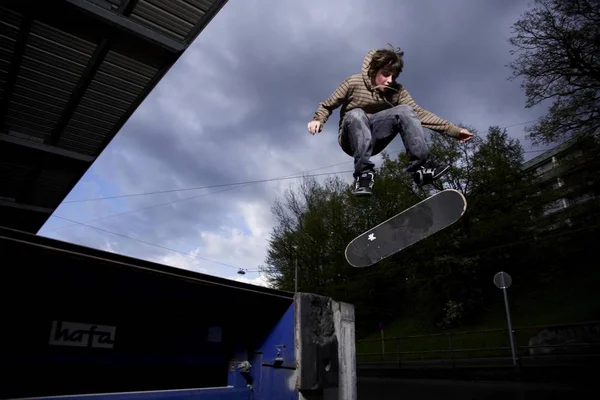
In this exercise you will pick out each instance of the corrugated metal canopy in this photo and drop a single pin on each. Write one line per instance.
(71, 73)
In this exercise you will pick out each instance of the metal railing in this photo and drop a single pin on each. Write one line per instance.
(482, 347)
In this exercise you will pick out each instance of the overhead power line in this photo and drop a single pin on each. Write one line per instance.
(296, 175)
(86, 223)
(229, 186)
(151, 244)
(243, 183)
(188, 189)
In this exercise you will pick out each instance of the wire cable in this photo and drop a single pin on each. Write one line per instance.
(237, 184)
(206, 194)
(294, 176)
(151, 244)
(86, 223)
(189, 189)
(230, 187)
(189, 198)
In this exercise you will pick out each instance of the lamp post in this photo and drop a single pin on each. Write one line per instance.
(502, 280)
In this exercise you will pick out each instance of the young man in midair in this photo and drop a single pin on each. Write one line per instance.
(374, 108)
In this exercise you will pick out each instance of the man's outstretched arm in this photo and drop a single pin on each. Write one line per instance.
(428, 119)
(333, 101)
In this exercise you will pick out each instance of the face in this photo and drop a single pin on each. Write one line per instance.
(384, 78)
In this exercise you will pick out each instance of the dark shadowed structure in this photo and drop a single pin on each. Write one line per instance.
(71, 73)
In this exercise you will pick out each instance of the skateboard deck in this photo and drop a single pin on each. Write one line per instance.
(406, 228)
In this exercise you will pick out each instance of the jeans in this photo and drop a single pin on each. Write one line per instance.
(365, 136)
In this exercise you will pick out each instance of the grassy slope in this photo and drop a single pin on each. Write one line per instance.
(566, 300)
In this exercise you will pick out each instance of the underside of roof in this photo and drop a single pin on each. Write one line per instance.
(71, 73)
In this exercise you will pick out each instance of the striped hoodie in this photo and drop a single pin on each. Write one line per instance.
(356, 91)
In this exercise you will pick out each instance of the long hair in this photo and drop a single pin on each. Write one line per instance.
(389, 59)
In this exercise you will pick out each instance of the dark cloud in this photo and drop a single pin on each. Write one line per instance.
(236, 105)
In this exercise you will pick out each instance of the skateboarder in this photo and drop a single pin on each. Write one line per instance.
(374, 109)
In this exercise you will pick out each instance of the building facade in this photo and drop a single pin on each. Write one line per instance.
(567, 176)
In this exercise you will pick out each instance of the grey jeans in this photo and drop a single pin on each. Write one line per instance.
(365, 136)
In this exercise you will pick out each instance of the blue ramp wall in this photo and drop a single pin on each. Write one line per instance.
(155, 328)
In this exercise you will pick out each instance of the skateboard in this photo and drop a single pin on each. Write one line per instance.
(406, 228)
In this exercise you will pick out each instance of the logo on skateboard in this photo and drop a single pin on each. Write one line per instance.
(371, 237)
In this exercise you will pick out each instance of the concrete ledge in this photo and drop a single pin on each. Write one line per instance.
(325, 346)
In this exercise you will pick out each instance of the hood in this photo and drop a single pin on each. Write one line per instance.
(365, 69)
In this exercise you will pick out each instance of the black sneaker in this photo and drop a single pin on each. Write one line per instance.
(429, 173)
(363, 184)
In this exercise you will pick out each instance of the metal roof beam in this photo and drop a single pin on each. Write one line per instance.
(25, 207)
(125, 24)
(216, 6)
(126, 7)
(14, 68)
(79, 91)
(22, 216)
(84, 81)
(46, 148)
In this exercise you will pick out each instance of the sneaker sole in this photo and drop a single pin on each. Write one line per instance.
(362, 194)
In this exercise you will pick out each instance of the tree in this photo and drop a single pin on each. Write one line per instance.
(500, 201)
(446, 277)
(313, 225)
(450, 151)
(558, 47)
(492, 233)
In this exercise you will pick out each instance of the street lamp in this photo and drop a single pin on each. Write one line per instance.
(502, 280)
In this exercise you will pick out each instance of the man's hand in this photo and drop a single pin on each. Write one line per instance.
(464, 135)
(314, 127)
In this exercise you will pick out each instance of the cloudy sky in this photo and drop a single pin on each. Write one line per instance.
(235, 109)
